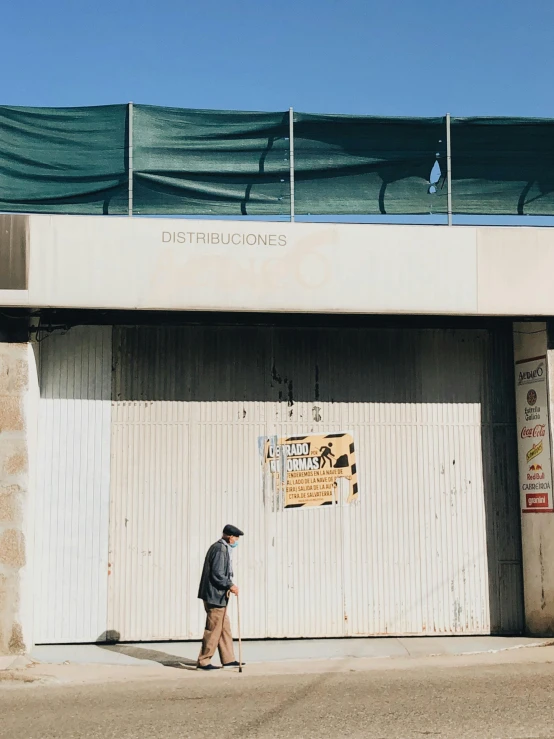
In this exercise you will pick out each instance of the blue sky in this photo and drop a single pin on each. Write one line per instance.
(392, 57)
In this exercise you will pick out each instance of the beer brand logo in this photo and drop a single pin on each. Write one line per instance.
(535, 450)
(531, 397)
(525, 377)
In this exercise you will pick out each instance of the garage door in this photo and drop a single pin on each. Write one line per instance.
(430, 544)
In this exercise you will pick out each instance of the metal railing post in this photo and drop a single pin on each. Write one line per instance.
(448, 171)
(130, 158)
(291, 162)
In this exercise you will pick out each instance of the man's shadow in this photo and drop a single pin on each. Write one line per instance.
(109, 641)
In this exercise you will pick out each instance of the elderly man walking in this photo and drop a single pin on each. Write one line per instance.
(215, 584)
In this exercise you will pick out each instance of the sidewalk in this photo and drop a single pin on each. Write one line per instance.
(172, 654)
(73, 665)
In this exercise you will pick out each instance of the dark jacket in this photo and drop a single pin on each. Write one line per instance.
(216, 575)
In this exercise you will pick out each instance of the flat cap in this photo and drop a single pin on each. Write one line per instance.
(232, 531)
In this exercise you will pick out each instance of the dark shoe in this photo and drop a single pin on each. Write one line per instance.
(234, 664)
(207, 667)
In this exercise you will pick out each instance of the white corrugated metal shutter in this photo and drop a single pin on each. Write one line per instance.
(432, 546)
(73, 486)
(179, 469)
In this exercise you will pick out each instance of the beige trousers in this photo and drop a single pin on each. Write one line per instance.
(216, 634)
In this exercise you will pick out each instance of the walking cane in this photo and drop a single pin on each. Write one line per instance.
(238, 620)
(240, 640)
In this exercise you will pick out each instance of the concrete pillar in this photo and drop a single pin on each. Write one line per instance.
(18, 405)
(535, 472)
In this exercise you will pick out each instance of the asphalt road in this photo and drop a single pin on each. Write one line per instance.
(500, 701)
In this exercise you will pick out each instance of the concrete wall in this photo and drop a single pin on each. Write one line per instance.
(18, 395)
(165, 264)
(530, 340)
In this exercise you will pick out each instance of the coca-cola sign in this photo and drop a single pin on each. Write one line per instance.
(528, 432)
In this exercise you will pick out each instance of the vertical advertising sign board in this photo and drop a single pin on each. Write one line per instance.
(533, 436)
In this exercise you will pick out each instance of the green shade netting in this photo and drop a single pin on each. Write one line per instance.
(201, 162)
(366, 165)
(63, 160)
(210, 162)
(502, 166)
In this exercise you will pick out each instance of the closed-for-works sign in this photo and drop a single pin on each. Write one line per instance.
(308, 467)
(534, 458)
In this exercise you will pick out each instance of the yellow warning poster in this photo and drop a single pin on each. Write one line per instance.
(308, 467)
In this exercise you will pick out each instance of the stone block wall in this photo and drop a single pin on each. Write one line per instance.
(14, 485)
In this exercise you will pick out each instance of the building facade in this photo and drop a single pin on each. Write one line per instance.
(350, 396)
